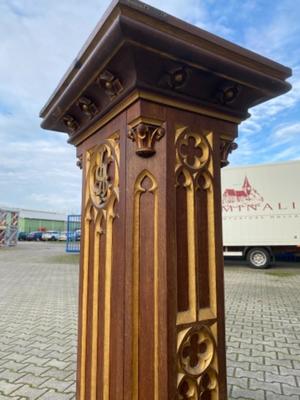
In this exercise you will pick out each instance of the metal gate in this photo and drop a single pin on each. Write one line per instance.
(9, 221)
(73, 233)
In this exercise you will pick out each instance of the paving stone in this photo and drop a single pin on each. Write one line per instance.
(240, 373)
(12, 365)
(10, 376)
(30, 392)
(242, 394)
(273, 396)
(57, 364)
(35, 370)
(290, 380)
(267, 386)
(289, 371)
(60, 386)
(58, 373)
(32, 380)
(241, 382)
(290, 390)
(7, 388)
(52, 395)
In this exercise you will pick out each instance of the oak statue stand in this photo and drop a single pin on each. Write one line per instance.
(152, 105)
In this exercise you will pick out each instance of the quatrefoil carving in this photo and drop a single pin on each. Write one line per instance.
(196, 350)
(193, 150)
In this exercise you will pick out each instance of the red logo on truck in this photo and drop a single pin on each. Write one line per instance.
(247, 195)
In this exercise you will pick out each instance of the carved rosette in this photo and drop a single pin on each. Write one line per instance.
(110, 83)
(227, 93)
(71, 123)
(87, 106)
(197, 377)
(145, 136)
(227, 147)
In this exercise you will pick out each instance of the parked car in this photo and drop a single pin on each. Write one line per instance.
(72, 236)
(34, 236)
(22, 236)
(63, 236)
(50, 235)
(77, 234)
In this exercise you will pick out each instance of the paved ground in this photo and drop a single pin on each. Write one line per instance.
(263, 332)
(38, 318)
(38, 307)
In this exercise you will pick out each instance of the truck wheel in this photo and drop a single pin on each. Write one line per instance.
(258, 258)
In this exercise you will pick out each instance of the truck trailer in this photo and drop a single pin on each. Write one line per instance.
(261, 211)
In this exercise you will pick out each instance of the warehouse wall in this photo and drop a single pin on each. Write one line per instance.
(30, 225)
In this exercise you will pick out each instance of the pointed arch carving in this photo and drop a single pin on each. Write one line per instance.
(145, 272)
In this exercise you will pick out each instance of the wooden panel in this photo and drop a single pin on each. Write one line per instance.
(202, 244)
(100, 353)
(145, 311)
(182, 244)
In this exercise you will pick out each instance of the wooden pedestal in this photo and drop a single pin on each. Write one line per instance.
(152, 302)
(152, 105)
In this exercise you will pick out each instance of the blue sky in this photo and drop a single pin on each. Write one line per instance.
(40, 39)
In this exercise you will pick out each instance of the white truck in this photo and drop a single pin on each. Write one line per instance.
(261, 211)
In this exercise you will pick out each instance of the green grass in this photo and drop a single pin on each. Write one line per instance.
(282, 274)
(64, 259)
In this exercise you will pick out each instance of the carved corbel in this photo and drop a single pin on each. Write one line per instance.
(71, 123)
(145, 136)
(79, 162)
(226, 148)
(110, 83)
(87, 106)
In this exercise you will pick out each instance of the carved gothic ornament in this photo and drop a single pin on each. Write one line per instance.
(71, 123)
(193, 154)
(175, 78)
(227, 147)
(103, 173)
(87, 106)
(79, 162)
(227, 93)
(145, 136)
(110, 83)
(197, 378)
